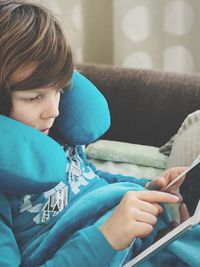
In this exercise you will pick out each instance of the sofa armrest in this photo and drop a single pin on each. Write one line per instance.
(147, 107)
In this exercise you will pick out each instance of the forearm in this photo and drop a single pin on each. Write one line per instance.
(88, 248)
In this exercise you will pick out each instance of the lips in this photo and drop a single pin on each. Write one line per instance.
(45, 131)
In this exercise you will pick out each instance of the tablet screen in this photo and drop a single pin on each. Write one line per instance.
(190, 189)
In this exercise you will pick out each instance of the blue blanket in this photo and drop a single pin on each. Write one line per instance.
(183, 252)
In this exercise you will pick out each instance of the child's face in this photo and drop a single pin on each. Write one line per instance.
(37, 108)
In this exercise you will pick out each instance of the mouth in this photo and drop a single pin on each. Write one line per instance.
(45, 131)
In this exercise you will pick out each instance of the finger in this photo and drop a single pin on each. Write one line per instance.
(159, 207)
(143, 229)
(156, 196)
(152, 208)
(173, 225)
(184, 214)
(172, 173)
(181, 169)
(176, 171)
(145, 217)
(179, 196)
(174, 187)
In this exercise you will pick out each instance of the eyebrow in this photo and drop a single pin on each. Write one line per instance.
(37, 91)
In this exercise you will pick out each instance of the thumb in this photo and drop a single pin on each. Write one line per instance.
(157, 183)
(184, 214)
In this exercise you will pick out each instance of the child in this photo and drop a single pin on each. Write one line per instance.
(57, 210)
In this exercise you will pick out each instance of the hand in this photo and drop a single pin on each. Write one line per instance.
(135, 216)
(161, 182)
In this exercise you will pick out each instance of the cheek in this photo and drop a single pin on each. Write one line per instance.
(22, 116)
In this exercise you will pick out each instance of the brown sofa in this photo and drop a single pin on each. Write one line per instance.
(147, 107)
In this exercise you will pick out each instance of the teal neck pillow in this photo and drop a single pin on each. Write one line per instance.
(30, 161)
(84, 114)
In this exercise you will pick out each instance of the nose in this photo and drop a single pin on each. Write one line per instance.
(50, 108)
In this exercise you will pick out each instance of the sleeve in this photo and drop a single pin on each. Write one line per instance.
(9, 252)
(88, 248)
(117, 178)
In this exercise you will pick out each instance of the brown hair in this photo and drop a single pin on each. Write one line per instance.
(30, 34)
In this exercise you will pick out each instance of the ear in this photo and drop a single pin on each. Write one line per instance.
(29, 160)
(84, 114)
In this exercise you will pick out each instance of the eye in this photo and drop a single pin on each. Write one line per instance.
(32, 99)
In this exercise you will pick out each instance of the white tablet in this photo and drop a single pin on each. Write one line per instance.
(192, 201)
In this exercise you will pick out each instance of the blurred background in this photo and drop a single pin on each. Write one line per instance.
(152, 34)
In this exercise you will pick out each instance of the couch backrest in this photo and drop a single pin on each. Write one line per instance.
(147, 107)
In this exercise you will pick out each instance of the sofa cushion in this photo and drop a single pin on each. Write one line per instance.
(186, 145)
(167, 148)
(126, 158)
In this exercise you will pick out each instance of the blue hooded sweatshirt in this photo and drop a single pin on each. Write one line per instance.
(59, 226)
